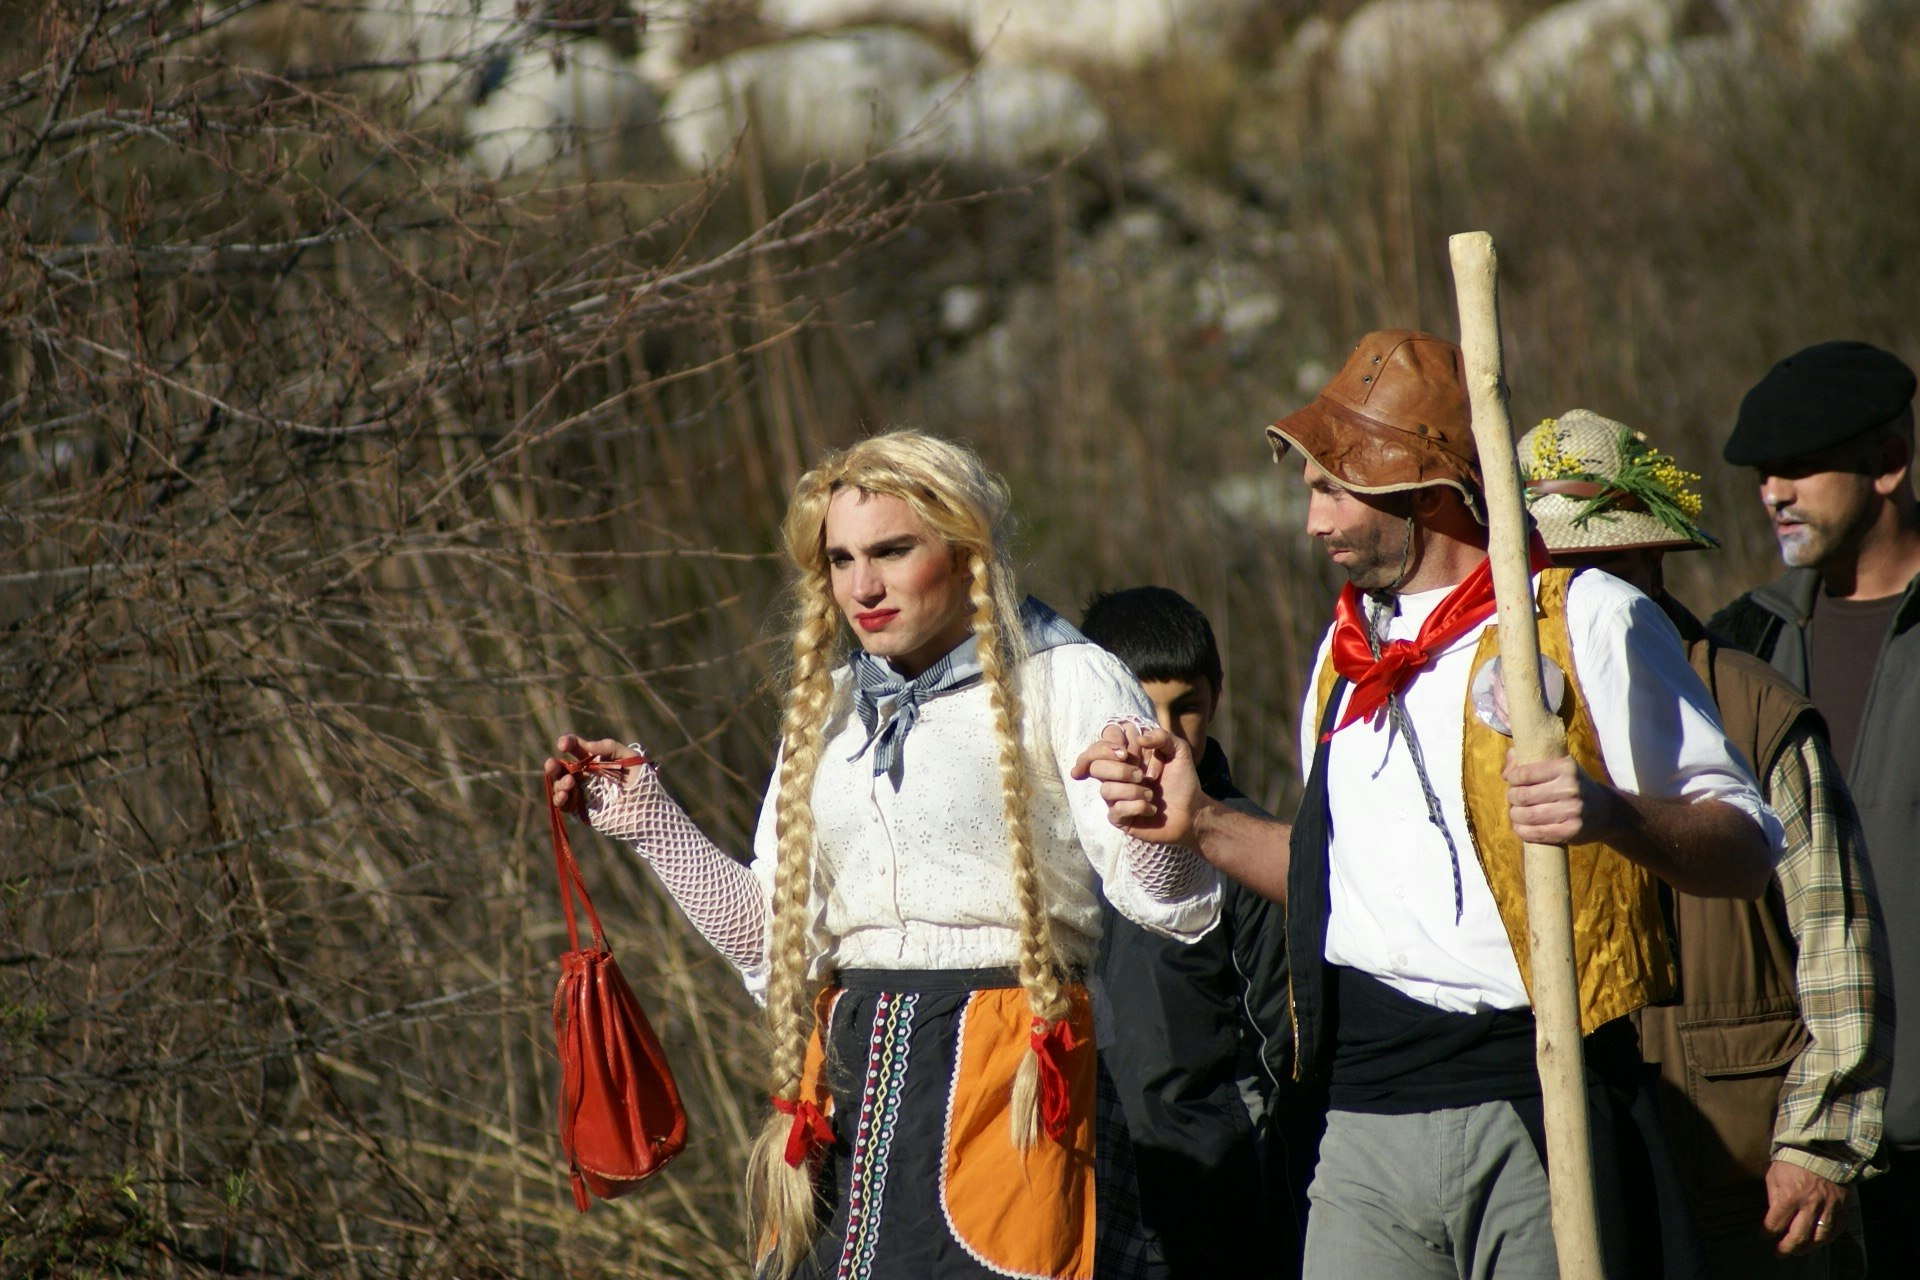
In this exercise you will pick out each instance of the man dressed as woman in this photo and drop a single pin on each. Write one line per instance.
(921, 903)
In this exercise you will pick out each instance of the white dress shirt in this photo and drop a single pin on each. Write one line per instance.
(922, 878)
(1391, 875)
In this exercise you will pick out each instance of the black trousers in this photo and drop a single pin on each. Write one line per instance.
(1890, 1211)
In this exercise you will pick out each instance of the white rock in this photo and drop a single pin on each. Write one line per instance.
(1144, 228)
(837, 98)
(1004, 116)
(1312, 43)
(539, 113)
(1829, 24)
(963, 309)
(444, 38)
(1245, 318)
(1579, 47)
(1684, 77)
(1123, 33)
(663, 43)
(826, 15)
(1117, 33)
(1390, 44)
(1237, 300)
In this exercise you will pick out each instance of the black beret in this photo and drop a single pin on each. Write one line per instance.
(1818, 398)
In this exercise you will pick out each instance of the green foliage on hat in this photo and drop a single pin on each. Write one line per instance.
(1647, 480)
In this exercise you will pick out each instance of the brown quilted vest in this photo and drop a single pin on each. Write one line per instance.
(1724, 1045)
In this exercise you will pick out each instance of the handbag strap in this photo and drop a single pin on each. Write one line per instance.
(571, 881)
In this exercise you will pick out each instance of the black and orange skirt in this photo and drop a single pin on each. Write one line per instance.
(922, 1180)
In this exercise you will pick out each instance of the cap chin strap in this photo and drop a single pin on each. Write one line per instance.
(1406, 562)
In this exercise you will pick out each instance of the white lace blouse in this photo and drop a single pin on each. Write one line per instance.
(922, 878)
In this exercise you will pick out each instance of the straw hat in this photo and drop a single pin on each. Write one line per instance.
(1594, 484)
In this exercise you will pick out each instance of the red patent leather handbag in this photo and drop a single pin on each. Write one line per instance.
(620, 1115)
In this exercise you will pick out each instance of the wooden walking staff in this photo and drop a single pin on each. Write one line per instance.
(1537, 735)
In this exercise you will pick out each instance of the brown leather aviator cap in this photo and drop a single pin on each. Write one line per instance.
(1394, 418)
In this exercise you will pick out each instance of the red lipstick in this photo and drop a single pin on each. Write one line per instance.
(875, 619)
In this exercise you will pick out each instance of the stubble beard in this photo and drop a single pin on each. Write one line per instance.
(1379, 559)
(1378, 564)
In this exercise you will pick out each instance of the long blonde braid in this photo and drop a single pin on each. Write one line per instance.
(1040, 967)
(781, 1195)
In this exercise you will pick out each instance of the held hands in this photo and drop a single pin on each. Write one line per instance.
(1148, 779)
(1804, 1209)
(568, 794)
(1556, 802)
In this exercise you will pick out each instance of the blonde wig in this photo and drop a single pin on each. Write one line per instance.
(965, 505)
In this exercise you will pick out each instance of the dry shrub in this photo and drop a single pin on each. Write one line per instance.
(335, 485)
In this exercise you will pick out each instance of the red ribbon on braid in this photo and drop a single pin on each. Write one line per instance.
(1051, 1042)
(810, 1132)
(1377, 679)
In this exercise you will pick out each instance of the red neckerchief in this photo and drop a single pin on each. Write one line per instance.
(1376, 680)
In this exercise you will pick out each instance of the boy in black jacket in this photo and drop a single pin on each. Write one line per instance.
(1198, 1044)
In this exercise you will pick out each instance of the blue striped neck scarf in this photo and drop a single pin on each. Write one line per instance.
(889, 703)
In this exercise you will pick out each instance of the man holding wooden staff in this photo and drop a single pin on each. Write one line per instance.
(1402, 872)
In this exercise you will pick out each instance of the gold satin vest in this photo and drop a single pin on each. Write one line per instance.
(1619, 935)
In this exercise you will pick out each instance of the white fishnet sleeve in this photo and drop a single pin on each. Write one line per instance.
(1076, 691)
(1168, 872)
(720, 895)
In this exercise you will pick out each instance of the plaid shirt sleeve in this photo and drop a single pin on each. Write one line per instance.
(1829, 1117)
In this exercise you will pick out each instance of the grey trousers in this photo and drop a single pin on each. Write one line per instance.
(1454, 1194)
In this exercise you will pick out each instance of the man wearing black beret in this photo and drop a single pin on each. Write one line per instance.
(1829, 431)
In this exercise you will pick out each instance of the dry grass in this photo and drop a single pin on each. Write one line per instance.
(334, 483)
(337, 484)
